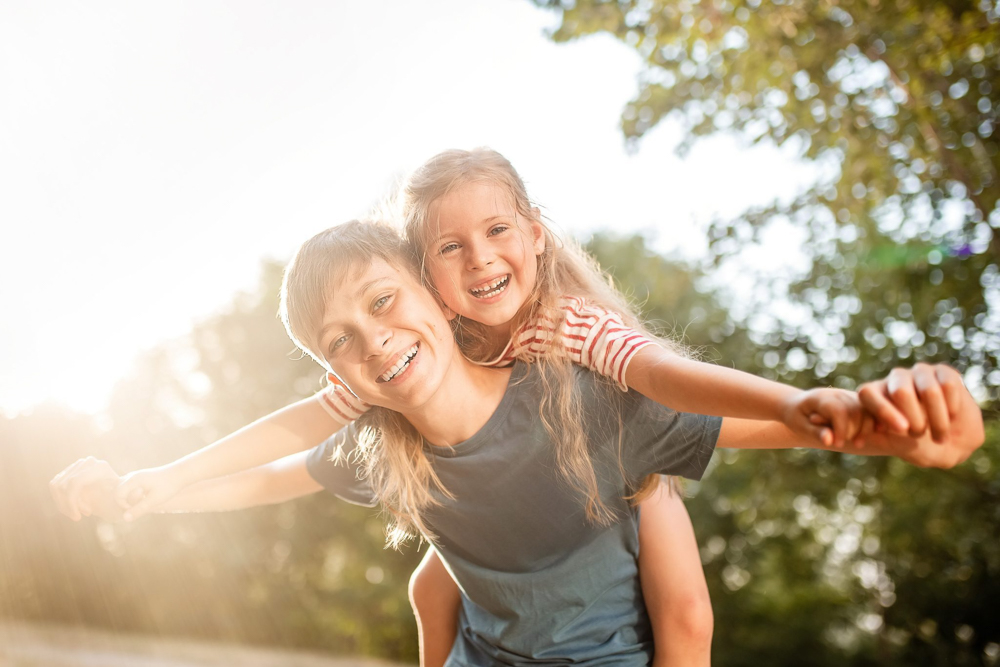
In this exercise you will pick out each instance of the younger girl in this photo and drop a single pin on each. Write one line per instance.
(520, 293)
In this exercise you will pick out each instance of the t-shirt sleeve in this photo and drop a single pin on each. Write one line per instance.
(656, 439)
(334, 465)
(340, 403)
(599, 340)
(590, 336)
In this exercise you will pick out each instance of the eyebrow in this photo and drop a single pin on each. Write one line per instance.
(483, 221)
(369, 285)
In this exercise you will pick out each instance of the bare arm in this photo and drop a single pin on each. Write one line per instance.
(292, 429)
(87, 488)
(694, 386)
(269, 484)
(827, 416)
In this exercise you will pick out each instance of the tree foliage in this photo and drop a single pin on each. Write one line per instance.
(898, 100)
(310, 573)
(815, 558)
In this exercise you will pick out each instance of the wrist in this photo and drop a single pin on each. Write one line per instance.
(178, 474)
(788, 402)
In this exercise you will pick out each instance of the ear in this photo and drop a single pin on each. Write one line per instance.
(537, 230)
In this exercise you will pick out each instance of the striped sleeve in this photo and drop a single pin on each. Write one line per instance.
(599, 340)
(340, 403)
(589, 335)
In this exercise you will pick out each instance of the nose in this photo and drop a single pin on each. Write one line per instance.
(376, 341)
(479, 256)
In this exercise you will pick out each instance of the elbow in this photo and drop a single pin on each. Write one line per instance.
(696, 624)
(432, 592)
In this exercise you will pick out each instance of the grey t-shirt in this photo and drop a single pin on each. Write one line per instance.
(540, 583)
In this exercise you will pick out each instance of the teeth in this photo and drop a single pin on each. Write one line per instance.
(492, 289)
(400, 365)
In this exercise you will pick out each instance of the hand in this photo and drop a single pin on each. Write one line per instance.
(140, 492)
(86, 487)
(943, 423)
(831, 416)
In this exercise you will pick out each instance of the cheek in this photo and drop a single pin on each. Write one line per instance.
(445, 279)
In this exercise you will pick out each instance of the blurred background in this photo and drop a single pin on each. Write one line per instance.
(803, 190)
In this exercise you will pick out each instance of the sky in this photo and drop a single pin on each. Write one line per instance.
(152, 154)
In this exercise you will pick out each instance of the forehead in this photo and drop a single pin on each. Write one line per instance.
(478, 196)
(361, 276)
(467, 204)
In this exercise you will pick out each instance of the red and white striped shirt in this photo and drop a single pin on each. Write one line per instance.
(588, 335)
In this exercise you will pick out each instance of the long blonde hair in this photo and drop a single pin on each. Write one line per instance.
(563, 269)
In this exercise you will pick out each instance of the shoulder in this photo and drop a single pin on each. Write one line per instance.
(578, 307)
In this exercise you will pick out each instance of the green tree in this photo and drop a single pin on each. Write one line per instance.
(899, 101)
(815, 558)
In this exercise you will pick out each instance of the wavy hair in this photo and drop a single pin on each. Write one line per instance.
(563, 269)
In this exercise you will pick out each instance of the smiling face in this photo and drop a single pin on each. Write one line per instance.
(482, 255)
(386, 336)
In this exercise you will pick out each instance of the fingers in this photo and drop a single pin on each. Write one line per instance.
(136, 496)
(57, 488)
(818, 427)
(952, 388)
(932, 398)
(139, 509)
(868, 427)
(129, 491)
(837, 415)
(85, 481)
(68, 487)
(854, 414)
(903, 394)
(840, 410)
(875, 400)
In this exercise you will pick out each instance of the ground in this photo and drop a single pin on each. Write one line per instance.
(25, 645)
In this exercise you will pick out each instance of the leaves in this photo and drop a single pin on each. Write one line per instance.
(900, 100)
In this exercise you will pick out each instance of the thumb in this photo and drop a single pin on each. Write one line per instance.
(129, 491)
(139, 509)
(819, 427)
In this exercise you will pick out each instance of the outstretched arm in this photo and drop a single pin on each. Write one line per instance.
(87, 488)
(922, 395)
(294, 428)
(599, 340)
(269, 484)
(826, 416)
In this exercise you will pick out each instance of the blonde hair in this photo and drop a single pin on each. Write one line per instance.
(563, 269)
(390, 450)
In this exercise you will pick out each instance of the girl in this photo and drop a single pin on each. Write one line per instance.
(519, 292)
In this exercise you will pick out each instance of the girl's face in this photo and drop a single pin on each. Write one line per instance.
(482, 254)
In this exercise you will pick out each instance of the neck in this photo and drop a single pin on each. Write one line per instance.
(467, 398)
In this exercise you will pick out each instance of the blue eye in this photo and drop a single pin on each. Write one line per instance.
(499, 229)
(380, 302)
(337, 343)
(447, 248)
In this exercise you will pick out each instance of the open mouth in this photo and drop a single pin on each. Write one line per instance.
(490, 289)
(401, 364)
